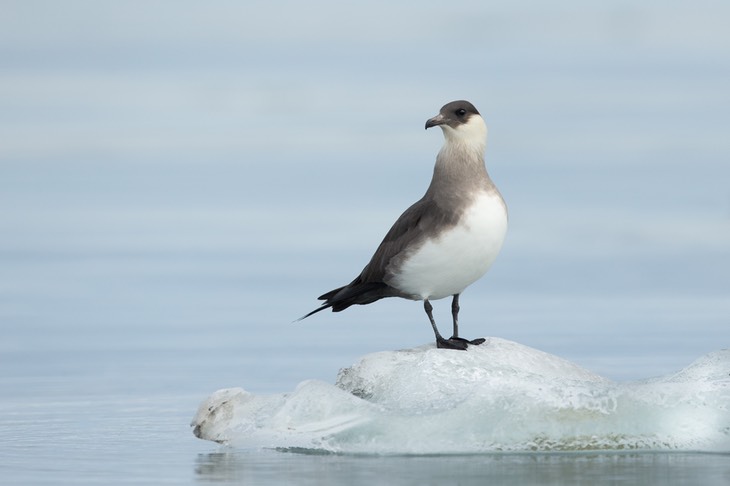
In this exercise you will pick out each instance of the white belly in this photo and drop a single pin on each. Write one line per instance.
(446, 265)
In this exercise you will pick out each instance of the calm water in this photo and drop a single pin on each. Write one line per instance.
(179, 182)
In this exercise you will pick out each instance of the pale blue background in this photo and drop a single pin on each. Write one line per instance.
(180, 180)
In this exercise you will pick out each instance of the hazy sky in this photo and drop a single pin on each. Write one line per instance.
(241, 151)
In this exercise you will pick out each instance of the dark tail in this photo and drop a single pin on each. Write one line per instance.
(355, 293)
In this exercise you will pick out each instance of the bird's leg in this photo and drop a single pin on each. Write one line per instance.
(455, 316)
(440, 341)
(429, 312)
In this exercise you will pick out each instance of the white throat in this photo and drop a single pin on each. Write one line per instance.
(470, 136)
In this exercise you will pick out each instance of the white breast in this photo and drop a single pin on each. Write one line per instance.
(458, 257)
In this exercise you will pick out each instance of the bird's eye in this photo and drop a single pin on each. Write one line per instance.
(461, 112)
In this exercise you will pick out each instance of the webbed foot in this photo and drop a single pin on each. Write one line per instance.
(458, 343)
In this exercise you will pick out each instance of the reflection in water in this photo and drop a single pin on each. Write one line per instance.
(273, 467)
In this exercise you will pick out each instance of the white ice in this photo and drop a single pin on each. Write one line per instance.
(500, 396)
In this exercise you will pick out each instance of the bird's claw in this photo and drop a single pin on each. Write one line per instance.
(458, 343)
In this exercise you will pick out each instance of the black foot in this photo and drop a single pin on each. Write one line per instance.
(457, 343)
(452, 343)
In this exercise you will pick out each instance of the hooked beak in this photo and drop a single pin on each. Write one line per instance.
(437, 120)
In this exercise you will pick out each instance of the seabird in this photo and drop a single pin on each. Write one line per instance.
(445, 241)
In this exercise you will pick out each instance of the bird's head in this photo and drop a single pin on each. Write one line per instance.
(461, 123)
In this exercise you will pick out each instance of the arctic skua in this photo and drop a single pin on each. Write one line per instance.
(444, 242)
